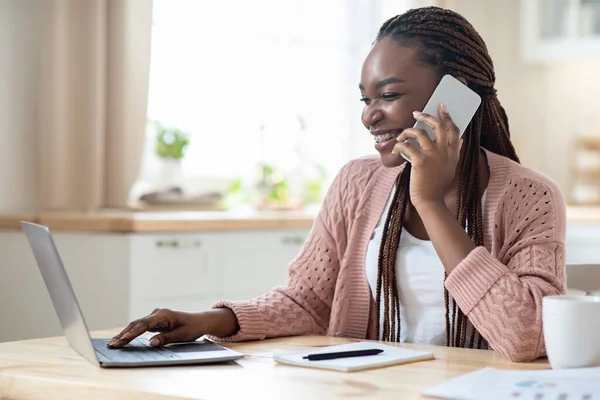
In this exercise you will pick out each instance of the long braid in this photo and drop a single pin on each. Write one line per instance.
(450, 44)
(386, 268)
(447, 304)
(453, 323)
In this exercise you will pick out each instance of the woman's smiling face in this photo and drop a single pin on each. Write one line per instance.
(393, 84)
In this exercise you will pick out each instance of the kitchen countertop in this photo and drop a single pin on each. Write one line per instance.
(162, 221)
(186, 221)
(580, 214)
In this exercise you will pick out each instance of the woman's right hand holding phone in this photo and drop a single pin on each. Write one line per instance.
(178, 326)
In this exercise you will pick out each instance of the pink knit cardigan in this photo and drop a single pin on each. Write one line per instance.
(499, 286)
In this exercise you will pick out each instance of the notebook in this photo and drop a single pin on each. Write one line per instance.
(391, 355)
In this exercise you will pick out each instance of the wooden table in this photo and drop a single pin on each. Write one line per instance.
(49, 369)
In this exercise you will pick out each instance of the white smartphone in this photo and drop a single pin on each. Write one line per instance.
(461, 101)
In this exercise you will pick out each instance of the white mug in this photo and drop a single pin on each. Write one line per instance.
(571, 325)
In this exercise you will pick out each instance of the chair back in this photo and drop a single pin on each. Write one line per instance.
(583, 277)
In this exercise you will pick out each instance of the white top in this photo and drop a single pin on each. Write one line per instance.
(420, 282)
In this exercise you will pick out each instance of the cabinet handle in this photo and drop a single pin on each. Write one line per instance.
(292, 240)
(177, 244)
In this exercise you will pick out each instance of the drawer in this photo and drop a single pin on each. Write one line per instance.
(174, 266)
(289, 240)
(170, 269)
(254, 271)
(259, 262)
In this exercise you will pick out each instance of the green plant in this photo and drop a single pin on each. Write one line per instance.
(171, 143)
(235, 187)
(313, 187)
(273, 186)
(236, 193)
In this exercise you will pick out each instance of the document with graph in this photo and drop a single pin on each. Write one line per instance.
(496, 384)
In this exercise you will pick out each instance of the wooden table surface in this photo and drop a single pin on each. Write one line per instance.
(49, 369)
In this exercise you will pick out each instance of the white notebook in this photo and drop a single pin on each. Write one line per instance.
(391, 355)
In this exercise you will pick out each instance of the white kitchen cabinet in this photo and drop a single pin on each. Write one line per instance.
(560, 29)
(97, 267)
(119, 277)
(583, 243)
(191, 271)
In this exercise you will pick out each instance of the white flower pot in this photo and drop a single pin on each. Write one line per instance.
(170, 173)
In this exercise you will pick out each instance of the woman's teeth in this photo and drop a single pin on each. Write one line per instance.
(384, 137)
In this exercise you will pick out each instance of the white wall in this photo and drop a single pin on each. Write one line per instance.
(19, 22)
(573, 95)
(520, 86)
(545, 102)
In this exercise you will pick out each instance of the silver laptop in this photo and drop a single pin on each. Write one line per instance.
(137, 353)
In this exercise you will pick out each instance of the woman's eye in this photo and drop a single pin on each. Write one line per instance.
(385, 96)
(390, 96)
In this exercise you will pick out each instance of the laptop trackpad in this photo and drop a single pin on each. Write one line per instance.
(194, 347)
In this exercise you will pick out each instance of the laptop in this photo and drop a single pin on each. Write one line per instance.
(138, 352)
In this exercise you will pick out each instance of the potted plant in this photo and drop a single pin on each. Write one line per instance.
(170, 147)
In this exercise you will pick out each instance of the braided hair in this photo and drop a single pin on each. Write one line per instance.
(450, 44)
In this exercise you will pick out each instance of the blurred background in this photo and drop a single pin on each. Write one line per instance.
(151, 135)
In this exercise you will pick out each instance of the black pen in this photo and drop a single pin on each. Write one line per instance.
(343, 354)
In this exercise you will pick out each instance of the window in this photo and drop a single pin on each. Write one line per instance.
(260, 81)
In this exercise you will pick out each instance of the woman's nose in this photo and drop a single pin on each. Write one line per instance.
(372, 115)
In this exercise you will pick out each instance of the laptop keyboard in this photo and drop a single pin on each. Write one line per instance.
(137, 351)
(134, 351)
